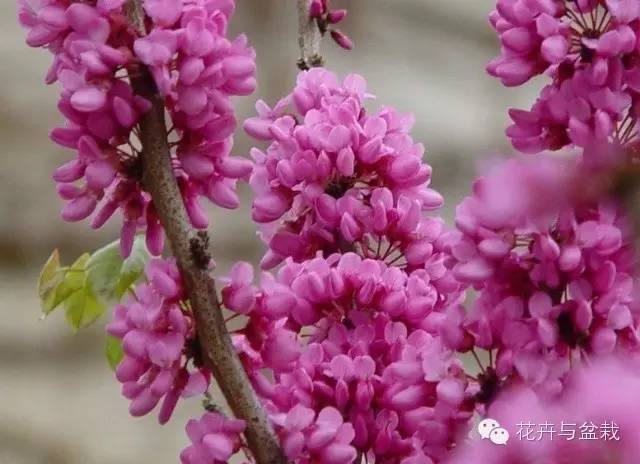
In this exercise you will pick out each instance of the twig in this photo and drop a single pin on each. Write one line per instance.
(217, 349)
(308, 38)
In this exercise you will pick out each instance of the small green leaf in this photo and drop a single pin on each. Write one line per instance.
(113, 351)
(50, 278)
(57, 283)
(76, 276)
(109, 276)
(82, 308)
(62, 292)
(103, 272)
(133, 267)
(92, 283)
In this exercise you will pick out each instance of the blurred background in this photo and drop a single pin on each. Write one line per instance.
(59, 402)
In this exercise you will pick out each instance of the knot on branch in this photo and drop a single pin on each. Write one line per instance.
(193, 350)
(199, 246)
(314, 61)
(209, 405)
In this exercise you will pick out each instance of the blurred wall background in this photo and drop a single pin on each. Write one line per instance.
(59, 402)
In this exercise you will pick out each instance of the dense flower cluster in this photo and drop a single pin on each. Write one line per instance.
(589, 49)
(362, 339)
(96, 53)
(336, 178)
(555, 280)
(331, 287)
(198, 69)
(90, 55)
(156, 330)
(592, 406)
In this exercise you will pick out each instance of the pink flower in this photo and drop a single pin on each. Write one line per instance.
(214, 439)
(577, 111)
(539, 35)
(164, 12)
(101, 112)
(332, 287)
(325, 438)
(198, 69)
(341, 39)
(326, 18)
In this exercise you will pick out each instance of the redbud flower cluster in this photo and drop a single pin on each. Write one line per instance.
(350, 326)
(195, 67)
(589, 50)
(337, 178)
(198, 69)
(157, 331)
(355, 342)
(555, 279)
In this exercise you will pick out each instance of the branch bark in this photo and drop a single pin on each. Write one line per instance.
(309, 37)
(217, 349)
(626, 189)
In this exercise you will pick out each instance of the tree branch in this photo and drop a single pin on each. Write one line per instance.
(308, 38)
(217, 349)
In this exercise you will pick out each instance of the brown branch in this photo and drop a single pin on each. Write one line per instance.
(308, 38)
(187, 245)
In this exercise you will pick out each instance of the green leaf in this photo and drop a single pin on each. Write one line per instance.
(93, 283)
(133, 267)
(109, 276)
(82, 308)
(62, 292)
(57, 283)
(75, 277)
(103, 272)
(113, 351)
(50, 278)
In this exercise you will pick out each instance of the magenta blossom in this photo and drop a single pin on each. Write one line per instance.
(538, 35)
(214, 439)
(198, 69)
(333, 287)
(308, 439)
(326, 18)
